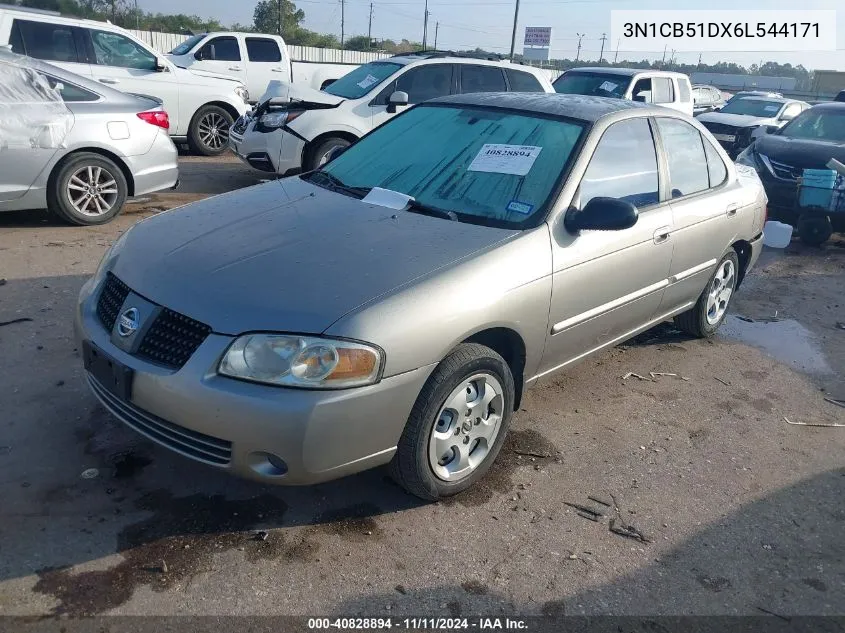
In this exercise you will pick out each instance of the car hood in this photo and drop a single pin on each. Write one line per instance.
(734, 120)
(286, 256)
(284, 91)
(805, 154)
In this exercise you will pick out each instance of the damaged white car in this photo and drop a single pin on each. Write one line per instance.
(296, 128)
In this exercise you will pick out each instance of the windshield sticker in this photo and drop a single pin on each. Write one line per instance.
(772, 108)
(608, 86)
(516, 160)
(368, 81)
(520, 207)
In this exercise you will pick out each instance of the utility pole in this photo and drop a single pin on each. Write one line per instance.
(281, 17)
(601, 55)
(137, 17)
(578, 54)
(425, 26)
(699, 58)
(513, 37)
(617, 50)
(342, 24)
(436, 32)
(370, 30)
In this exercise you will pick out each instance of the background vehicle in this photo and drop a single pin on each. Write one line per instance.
(296, 128)
(808, 142)
(547, 199)
(840, 97)
(255, 59)
(743, 119)
(754, 93)
(671, 90)
(76, 146)
(706, 99)
(201, 105)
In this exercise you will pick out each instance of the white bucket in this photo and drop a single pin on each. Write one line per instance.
(777, 234)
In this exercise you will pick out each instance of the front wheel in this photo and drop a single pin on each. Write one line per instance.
(709, 312)
(457, 426)
(209, 131)
(319, 155)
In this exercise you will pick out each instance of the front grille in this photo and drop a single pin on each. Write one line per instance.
(111, 298)
(172, 339)
(785, 171)
(198, 446)
(720, 128)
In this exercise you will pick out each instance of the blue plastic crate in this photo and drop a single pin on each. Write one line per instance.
(819, 178)
(814, 197)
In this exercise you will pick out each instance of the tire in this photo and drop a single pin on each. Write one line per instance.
(479, 438)
(814, 229)
(317, 156)
(209, 131)
(702, 320)
(69, 193)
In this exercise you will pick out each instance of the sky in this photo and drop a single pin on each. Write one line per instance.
(488, 23)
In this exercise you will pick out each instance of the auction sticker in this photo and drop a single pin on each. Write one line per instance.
(516, 160)
(368, 81)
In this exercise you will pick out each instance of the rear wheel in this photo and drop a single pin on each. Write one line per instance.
(209, 131)
(814, 229)
(457, 425)
(88, 189)
(709, 312)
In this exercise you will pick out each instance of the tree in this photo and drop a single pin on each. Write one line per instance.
(360, 43)
(266, 17)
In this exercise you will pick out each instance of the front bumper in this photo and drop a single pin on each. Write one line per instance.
(278, 151)
(234, 425)
(156, 170)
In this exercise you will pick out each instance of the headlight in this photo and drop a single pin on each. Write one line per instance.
(275, 120)
(243, 93)
(301, 361)
(746, 157)
(111, 253)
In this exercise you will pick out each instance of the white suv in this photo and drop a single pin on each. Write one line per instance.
(295, 128)
(201, 105)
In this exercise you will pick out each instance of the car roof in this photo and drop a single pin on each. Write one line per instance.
(765, 97)
(625, 72)
(586, 108)
(830, 105)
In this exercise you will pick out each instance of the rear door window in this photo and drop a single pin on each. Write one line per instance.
(481, 79)
(688, 168)
(222, 49)
(42, 40)
(263, 49)
(684, 88)
(523, 82)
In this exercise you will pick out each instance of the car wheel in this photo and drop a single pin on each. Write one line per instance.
(209, 131)
(88, 189)
(457, 425)
(709, 312)
(320, 155)
(814, 229)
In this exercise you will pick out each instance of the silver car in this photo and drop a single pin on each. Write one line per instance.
(392, 306)
(75, 146)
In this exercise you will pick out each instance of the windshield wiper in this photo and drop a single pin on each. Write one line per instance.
(424, 209)
(333, 183)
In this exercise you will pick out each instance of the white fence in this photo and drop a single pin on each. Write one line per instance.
(166, 42)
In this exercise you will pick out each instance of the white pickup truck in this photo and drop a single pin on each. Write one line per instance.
(254, 58)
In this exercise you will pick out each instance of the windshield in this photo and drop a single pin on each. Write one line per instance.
(819, 125)
(595, 84)
(479, 165)
(753, 107)
(362, 80)
(185, 47)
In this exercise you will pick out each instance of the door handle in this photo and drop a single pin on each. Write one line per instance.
(105, 80)
(234, 67)
(277, 70)
(662, 234)
(732, 210)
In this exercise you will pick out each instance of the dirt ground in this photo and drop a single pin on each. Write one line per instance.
(739, 511)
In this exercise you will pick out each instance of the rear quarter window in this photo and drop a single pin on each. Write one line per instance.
(521, 81)
(684, 89)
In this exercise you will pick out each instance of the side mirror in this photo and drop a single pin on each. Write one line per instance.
(207, 52)
(786, 117)
(160, 66)
(602, 214)
(771, 129)
(641, 97)
(397, 100)
(334, 153)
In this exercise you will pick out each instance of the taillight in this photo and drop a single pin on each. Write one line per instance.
(158, 118)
